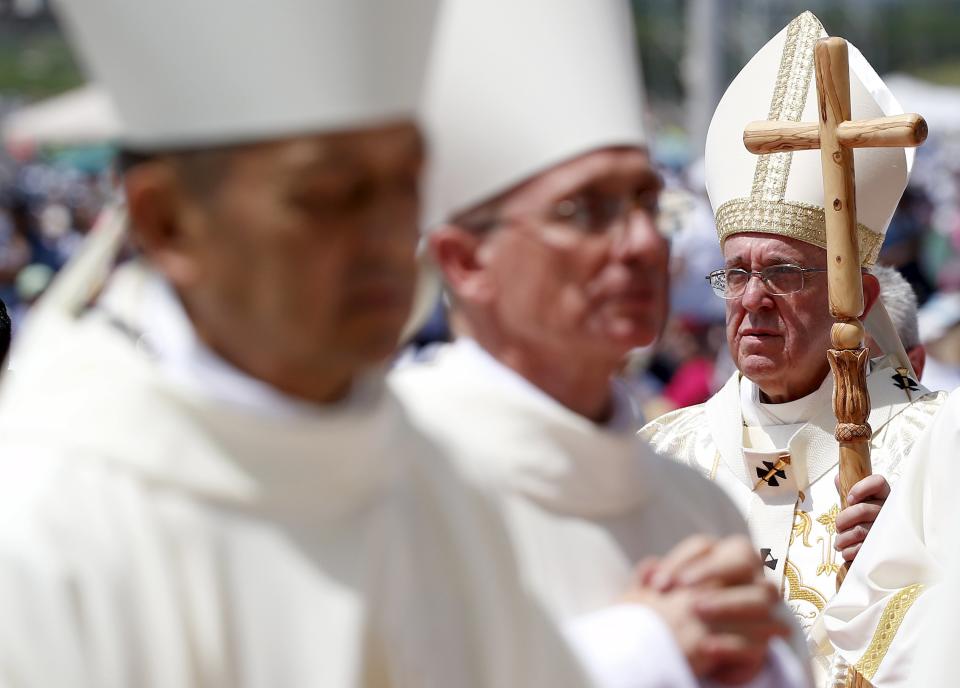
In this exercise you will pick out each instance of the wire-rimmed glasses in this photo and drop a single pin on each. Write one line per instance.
(778, 280)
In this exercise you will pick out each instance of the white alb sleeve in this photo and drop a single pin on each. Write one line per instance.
(630, 646)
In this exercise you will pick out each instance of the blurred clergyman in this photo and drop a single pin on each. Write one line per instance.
(900, 300)
(204, 483)
(541, 217)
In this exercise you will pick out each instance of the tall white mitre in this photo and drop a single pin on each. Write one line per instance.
(509, 94)
(183, 73)
(782, 193)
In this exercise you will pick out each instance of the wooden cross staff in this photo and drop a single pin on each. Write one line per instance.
(836, 137)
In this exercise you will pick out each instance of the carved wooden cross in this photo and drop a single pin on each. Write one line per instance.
(836, 137)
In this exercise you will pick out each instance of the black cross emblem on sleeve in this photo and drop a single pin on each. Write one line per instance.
(905, 382)
(768, 559)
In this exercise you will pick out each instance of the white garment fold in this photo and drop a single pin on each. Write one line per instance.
(891, 608)
(187, 531)
(584, 502)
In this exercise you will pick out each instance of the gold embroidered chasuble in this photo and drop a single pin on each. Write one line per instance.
(895, 618)
(787, 493)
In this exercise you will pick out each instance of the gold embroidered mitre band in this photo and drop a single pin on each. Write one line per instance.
(782, 193)
(796, 220)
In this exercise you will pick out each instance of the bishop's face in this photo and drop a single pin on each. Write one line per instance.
(779, 342)
(298, 264)
(575, 260)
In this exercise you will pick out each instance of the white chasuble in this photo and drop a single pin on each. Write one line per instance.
(153, 536)
(778, 463)
(895, 619)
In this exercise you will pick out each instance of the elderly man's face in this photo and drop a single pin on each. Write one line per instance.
(299, 262)
(567, 270)
(779, 342)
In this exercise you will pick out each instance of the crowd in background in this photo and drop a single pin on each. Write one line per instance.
(47, 209)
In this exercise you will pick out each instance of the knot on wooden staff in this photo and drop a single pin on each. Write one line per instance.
(851, 401)
(853, 432)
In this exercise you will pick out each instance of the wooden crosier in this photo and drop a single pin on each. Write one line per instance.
(836, 136)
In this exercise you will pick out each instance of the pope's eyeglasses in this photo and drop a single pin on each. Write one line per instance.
(777, 280)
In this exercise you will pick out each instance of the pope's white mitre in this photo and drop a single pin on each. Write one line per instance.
(185, 73)
(782, 193)
(516, 87)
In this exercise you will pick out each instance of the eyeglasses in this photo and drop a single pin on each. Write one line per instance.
(589, 211)
(778, 280)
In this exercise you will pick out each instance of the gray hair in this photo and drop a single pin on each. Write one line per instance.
(901, 303)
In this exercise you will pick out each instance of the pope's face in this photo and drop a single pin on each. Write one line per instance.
(779, 342)
(301, 257)
(593, 291)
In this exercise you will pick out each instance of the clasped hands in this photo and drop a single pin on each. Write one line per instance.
(713, 597)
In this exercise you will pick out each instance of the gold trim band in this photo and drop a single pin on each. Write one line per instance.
(790, 94)
(890, 621)
(793, 219)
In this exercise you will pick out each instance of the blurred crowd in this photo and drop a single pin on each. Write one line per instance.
(46, 209)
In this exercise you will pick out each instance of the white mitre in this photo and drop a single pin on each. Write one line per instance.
(782, 193)
(183, 73)
(515, 88)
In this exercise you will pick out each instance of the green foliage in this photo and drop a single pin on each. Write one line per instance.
(35, 61)
(914, 36)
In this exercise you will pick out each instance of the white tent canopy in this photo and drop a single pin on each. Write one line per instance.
(78, 117)
(939, 105)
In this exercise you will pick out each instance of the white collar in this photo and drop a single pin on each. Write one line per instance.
(626, 416)
(757, 413)
(169, 335)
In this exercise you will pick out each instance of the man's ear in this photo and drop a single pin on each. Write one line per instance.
(918, 359)
(871, 292)
(460, 253)
(161, 219)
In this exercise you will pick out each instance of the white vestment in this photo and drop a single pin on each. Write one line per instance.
(156, 535)
(890, 617)
(584, 502)
(778, 463)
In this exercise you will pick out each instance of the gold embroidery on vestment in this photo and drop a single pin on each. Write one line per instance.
(803, 221)
(890, 621)
(802, 525)
(828, 565)
(789, 97)
(796, 590)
